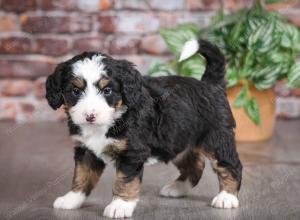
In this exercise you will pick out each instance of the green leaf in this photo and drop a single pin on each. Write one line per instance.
(242, 98)
(289, 35)
(160, 69)
(232, 77)
(175, 38)
(263, 39)
(267, 77)
(193, 67)
(189, 27)
(274, 1)
(252, 110)
(235, 34)
(294, 76)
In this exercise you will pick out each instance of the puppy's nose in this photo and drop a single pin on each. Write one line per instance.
(90, 117)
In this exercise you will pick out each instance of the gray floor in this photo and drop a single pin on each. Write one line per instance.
(36, 165)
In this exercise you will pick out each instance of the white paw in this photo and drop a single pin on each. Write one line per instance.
(120, 208)
(225, 200)
(72, 200)
(176, 189)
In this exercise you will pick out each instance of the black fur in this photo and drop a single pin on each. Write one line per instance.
(87, 157)
(166, 114)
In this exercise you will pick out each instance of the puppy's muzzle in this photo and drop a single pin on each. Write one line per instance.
(90, 118)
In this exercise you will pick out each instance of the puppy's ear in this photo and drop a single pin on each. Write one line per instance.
(54, 89)
(131, 81)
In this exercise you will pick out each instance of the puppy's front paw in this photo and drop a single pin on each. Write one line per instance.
(225, 200)
(72, 200)
(176, 189)
(119, 208)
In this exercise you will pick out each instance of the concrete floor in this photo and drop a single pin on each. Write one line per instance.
(36, 165)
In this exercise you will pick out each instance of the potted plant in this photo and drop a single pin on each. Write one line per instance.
(260, 48)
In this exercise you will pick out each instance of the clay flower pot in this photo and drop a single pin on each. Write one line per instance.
(246, 130)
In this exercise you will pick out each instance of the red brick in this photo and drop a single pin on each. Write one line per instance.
(96, 43)
(281, 5)
(124, 45)
(288, 107)
(168, 20)
(8, 23)
(294, 17)
(43, 112)
(200, 19)
(51, 46)
(8, 110)
(17, 6)
(167, 5)
(296, 92)
(39, 88)
(136, 23)
(194, 5)
(94, 5)
(27, 108)
(107, 23)
(15, 45)
(66, 5)
(132, 5)
(26, 68)
(237, 4)
(105, 4)
(153, 44)
(282, 90)
(20, 87)
(56, 24)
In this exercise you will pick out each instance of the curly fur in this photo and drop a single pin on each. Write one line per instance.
(164, 116)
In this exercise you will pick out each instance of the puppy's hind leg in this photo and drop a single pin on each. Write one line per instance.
(221, 150)
(88, 169)
(191, 164)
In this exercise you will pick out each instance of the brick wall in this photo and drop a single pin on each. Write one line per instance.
(37, 34)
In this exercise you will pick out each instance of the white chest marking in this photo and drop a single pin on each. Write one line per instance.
(93, 137)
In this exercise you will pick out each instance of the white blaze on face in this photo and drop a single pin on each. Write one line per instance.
(91, 101)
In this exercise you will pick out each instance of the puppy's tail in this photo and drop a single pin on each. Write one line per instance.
(215, 60)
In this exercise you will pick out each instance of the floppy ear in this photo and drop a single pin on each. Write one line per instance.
(131, 81)
(54, 89)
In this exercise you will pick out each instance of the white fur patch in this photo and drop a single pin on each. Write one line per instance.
(189, 49)
(91, 69)
(94, 138)
(92, 102)
(176, 189)
(72, 200)
(151, 161)
(120, 208)
(225, 200)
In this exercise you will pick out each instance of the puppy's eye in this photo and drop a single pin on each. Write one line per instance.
(76, 91)
(107, 91)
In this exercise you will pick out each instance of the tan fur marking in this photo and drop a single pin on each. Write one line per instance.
(119, 104)
(226, 181)
(191, 166)
(124, 189)
(120, 145)
(85, 179)
(103, 82)
(67, 105)
(116, 147)
(79, 83)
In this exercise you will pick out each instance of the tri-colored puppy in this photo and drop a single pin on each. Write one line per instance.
(116, 114)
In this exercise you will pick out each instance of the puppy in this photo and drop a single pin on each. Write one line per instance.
(116, 114)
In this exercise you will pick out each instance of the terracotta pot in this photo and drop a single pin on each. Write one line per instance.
(246, 130)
